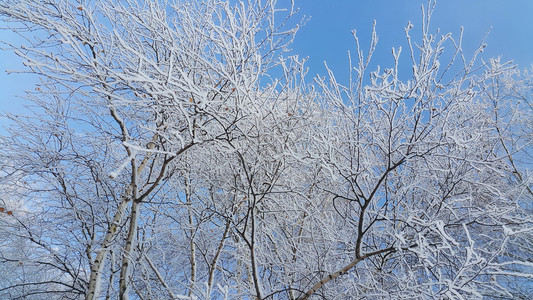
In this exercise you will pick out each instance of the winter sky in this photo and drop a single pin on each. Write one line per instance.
(327, 35)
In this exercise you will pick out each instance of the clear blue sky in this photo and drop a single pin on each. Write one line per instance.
(327, 35)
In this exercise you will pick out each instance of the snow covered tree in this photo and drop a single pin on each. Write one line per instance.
(423, 176)
(128, 87)
(174, 151)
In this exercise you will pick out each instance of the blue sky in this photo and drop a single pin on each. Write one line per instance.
(327, 34)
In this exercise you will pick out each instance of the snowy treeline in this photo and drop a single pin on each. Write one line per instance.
(174, 151)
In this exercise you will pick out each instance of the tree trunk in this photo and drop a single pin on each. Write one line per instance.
(126, 259)
(95, 279)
